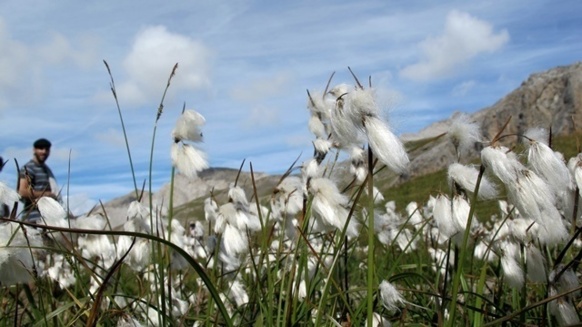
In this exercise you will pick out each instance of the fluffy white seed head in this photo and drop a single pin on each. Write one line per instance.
(391, 297)
(317, 127)
(8, 195)
(188, 159)
(549, 166)
(188, 127)
(466, 177)
(443, 216)
(501, 163)
(385, 145)
(52, 212)
(464, 133)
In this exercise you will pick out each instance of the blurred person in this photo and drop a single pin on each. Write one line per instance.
(36, 180)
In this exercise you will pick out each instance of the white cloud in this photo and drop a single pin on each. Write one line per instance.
(462, 89)
(154, 53)
(463, 38)
(59, 49)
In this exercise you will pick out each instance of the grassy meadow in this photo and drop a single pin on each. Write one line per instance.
(327, 244)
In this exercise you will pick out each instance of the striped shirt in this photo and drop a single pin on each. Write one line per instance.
(38, 176)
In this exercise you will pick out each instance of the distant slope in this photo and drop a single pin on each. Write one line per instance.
(550, 99)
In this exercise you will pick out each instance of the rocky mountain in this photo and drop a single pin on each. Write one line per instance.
(550, 99)
(214, 181)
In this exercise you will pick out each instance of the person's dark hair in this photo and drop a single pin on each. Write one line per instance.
(42, 144)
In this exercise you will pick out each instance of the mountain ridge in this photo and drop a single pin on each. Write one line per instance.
(551, 99)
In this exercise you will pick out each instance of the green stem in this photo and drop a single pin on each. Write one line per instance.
(370, 280)
(459, 272)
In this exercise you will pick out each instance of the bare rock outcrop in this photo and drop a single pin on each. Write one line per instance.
(550, 99)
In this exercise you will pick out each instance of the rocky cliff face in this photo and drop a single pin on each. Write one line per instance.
(215, 180)
(550, 99)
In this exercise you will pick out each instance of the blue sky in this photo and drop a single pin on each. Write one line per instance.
(245, 66)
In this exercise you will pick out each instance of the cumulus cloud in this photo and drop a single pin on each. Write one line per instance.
(14, 65)
(59, 49)
(154, 53)
(23, 65)
(463, 38)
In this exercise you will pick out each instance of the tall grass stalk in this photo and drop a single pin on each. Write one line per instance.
(464, 250)
(371, 282)
(114, 91)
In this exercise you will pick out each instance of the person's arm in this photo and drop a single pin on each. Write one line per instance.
(25, 190)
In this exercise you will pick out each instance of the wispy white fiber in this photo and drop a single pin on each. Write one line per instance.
(391, 297)
(52, 212)
(188, 159)
(386, 146)
(466, 177)
(330, 205)
(463, 132)
(8, 195)
(188, 127)
(501, 163)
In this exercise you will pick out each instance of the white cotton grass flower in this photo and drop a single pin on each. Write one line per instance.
(52, 212)
(386, 146)
(357, 164)
(534, 199)
(310, 169)
(16, 250)
(139, 257)
(565, 312)
(511, 268)
(414, 215)
(466, 177)
(322, 146)
(567, 281)
(188, 127)
(391, 297)
(318, 105)
(128, 321)
(234, 241)
(343, 128)
(316, 127)
(188, 159)
(443, 216)
(463, 132)
(484, 252)
(330, 205)
(238, 294)
(575, 168)
(378, 197)
(59, 269)
(137, 210)
(237, 195)
(378, 321)
(549, 166)
(8, 195)
(461, 209)
(535, 264)
(501, 163)
(210, 210)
